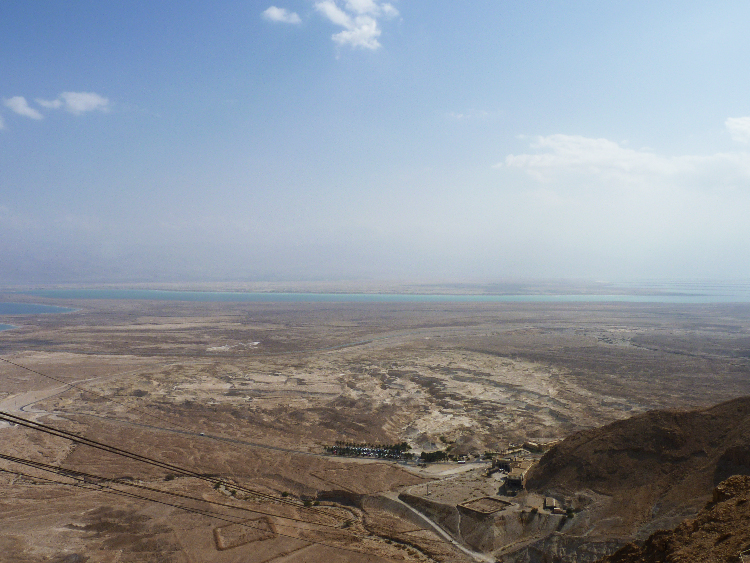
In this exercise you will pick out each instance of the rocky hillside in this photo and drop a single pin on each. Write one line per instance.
(718, 534)
(647, 472)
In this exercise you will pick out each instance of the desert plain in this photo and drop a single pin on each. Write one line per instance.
(247, 395)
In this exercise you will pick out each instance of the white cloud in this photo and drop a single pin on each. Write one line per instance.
(281, 15)
(77, 103)
(364, 34)
(330, 10)
(362, 6)
(594, 160)
(359, 18)
(616, 210)
(574, 153)
(81, 102)
(372, 8)
(388, 10)
(2, 124)
(19, 105)
(739, 128)
(49, 104)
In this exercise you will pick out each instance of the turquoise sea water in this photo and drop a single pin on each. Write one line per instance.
(685, 293)
(714, 293)
(30, 309)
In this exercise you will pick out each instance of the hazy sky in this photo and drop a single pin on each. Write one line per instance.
(416, 139)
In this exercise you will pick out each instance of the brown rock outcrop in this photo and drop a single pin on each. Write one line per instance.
(658, 465)
(718, 534)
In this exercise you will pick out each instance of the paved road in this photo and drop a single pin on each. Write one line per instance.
(20, 402)
(477, 556)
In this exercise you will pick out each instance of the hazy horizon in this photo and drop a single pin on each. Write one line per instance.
(317, 140)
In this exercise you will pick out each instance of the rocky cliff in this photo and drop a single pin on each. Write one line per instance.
(649, 471)
(718, 533)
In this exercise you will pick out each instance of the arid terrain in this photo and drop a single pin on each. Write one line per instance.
(244, 396)
(718, 533)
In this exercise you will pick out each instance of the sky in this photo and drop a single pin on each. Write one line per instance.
(427, 140)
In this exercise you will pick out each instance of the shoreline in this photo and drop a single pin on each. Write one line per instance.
(711, 296)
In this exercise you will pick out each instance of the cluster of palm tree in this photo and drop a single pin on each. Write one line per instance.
(431, 457)
(388, 451)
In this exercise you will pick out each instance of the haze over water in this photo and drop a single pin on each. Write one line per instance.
(647, 293)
